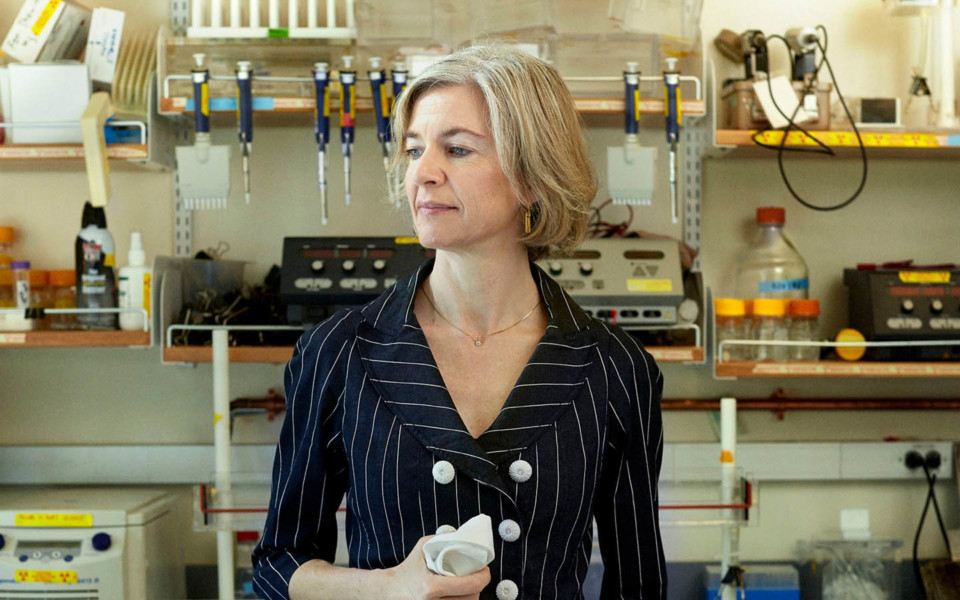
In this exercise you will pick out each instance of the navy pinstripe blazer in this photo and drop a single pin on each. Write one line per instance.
(368, 416)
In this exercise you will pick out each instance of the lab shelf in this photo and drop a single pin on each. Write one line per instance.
(887, 143)
(673, 354)
(238, 354)
(73, 339)
(828, 368)
(70, 151)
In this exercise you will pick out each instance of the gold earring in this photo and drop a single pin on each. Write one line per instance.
(526, 221)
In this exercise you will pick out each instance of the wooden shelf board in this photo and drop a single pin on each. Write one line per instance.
(839, 369)
(73, 339)
(68, 151)
(875, 139)
(673, 354)
(649, 106)
(240, 354)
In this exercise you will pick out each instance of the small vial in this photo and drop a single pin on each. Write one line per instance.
(770, 324)
(21, 297)
(731, 325)
(64, 291)
(40, 296)
(804, 327)
(6, 240)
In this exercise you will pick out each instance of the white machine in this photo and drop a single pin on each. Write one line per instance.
(90, 544)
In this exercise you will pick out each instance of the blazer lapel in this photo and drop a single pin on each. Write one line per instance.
(400, 365)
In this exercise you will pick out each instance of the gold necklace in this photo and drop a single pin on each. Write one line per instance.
(477, 339)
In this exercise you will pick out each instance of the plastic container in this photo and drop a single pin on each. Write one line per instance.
(771, 267)
(732, 324)
(134, 288)
(850, 570)
(804, 327)
(6, 240)
(40, 296)
(205, 280)
(6, 296)
(20, 287)
(96, 280)
(760, 582)
(769, 324)
(64, 295)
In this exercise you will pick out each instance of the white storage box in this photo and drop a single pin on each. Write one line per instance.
(103, 44)
(46, 30)
(47, 92)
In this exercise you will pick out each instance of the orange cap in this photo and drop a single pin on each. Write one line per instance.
(769, 307)
(729, 307)
(771, 214)
(805, 308)
(38, 278)
(63, 277)
(6, 235)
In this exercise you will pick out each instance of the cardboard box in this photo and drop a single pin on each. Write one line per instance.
(103, 44)
(48, 92)
(47, 30)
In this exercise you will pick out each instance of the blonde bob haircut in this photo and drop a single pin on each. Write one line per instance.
(536, 130)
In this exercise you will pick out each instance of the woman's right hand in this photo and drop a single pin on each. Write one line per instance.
(414, 581)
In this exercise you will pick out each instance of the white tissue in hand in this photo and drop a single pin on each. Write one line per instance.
(462, 552)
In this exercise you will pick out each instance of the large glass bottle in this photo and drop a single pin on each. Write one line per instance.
(771, 267)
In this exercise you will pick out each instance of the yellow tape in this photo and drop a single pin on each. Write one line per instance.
(849, 138)
(52, 520)
(45, 576)
(45, 15)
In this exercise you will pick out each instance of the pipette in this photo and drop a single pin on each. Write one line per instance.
(671, 82)
(399, 77)
(321, 131)
(245, 119)
(348, 113)
(381, 112)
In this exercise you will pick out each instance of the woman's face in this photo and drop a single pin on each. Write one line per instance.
(459, 196)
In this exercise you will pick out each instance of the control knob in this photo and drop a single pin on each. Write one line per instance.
(907, 306)
(936, 306)
(349, 266)
(317, 266)
(586, 268)
(102, 542)
(379, 265)
(556, 267)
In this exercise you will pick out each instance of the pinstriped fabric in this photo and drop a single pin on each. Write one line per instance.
(369, 416)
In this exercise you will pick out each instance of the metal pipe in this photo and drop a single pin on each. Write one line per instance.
(730, 536)
(235, 13)
(311, 13)
(221, 443)
(331, 13)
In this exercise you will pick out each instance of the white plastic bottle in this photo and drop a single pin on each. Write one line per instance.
(772, 267)
(135, 280)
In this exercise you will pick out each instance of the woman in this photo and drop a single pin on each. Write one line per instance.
(476, 385)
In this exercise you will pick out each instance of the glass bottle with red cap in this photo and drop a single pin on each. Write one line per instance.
(772, 267)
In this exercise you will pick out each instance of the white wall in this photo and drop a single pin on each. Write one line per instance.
(908, 210)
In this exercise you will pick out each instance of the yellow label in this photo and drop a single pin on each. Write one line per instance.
(383, 101)
(925, 276)
(217, 418)
(45, 15)
(108, 259)
(53, 520)
(406, 240)
(726, 456)
(649, 285)
(205, 99)
(146, 293)
(45, 577)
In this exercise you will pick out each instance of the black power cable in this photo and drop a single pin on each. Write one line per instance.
(791, 124)
(931, 499)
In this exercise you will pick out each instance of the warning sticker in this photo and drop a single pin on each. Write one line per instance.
(46, 577)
